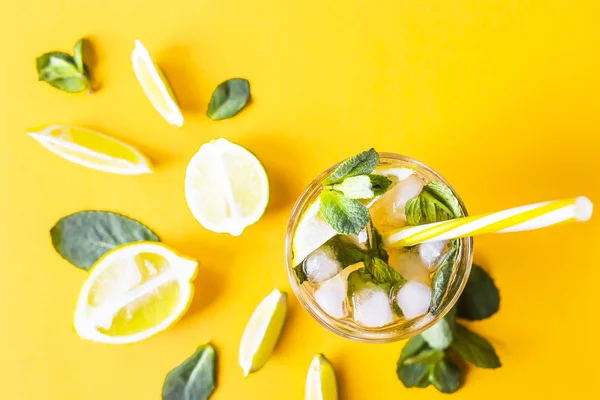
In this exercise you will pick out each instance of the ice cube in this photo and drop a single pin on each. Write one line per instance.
(432, 253)
(388, 212)
(372, 307)
(409, 264)
(331, 296)
(361, 240)
(321, 265)
(414, 299)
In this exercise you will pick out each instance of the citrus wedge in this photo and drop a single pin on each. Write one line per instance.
(134, 292)
(92, 149)
(226, 187)
(262, 332)
(320, 382)
(155, 85)
(312, 232)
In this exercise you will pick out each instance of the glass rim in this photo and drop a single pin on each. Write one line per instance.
(345, 328)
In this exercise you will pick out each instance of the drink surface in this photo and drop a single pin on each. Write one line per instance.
(330, 272)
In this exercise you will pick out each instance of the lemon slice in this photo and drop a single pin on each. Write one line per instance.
(92, 149)
(226, 187)
(311, 233)
(134, 292)
(320, 382)
(155, 85)
(262, 331)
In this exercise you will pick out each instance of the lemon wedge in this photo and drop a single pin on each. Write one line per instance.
(262, 332)
(155, 85)
(92, 149)
(312, 232)
(226, 187)
(134, 292)
(320, 382)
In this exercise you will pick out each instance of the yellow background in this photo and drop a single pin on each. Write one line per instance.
(501, 97)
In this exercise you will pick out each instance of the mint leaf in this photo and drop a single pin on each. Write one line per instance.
(228, 99)
(376, 248)
(346, 253)
(382, 272)
(361, 279)
(480, 298)
(413, 346)
(346, 216)
(356, 187)
(441, 278)
(441, 335)
(82, 238)
(361, 164)
(78, 55)
(300, 274)
(63, 71)
(413, 375)
(380, 184)
(445, 376)
(474, 348)
(435, 203)
(426, 356)
(194, 379)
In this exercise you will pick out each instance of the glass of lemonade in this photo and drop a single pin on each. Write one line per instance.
(331, 290)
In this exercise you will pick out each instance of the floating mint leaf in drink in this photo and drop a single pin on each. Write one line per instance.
(194, 379)
(361, 164)
(480, 298)
(356, 187)
(83, 237)
(64, 71)
(474, 348)
(380, 184)
(229, 98)
(435, 203)
(346, 216)
(441, 277)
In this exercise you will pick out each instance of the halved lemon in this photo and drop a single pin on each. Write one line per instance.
(320, 382)
(92, 149)
(134, 292)
(226, 187)
(262, 332)
(155, 85)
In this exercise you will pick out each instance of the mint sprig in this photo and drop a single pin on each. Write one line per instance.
(63, 71)
(435, 203)
(432, 356)
(350, 181)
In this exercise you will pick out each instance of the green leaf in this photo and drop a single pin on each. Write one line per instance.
(300, 274)
(194, 379)
(376, 248)
(78, 55)
(361, 164)
(380, 184)
(435, 203)
(413, 346)
(427, 356)
(346, 253)
(358, 280)
(441, 278)
(383, 273)
(82, 238)
(440, 335)
(63, 71)
(229, 98)
(346, 216)
(356, 187)
(474, 348)
(413, 375)
(480, 298)
(445, 376)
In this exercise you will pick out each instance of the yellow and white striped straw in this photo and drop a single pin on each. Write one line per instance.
(524, 218)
